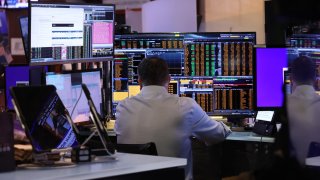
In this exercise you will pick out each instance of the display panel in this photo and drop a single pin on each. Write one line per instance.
(270, 66)
(195, 60)
(46, 121)
(219, 54)
(233, 95)
(273, 69)
(198, 88)
(15, 76)
(70, 33)
(69, 89)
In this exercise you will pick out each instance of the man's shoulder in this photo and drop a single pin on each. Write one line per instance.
(127, 100)
(187, 99)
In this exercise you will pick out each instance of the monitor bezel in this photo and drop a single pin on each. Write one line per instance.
(68, 61)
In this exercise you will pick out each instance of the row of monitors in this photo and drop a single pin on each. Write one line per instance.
(263, 90)
(215, 69)
(69, 33)
(222, 95)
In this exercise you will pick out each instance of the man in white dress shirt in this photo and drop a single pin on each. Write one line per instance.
(156, 116)
(303, 107)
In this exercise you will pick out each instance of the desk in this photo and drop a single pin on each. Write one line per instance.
(249, 136)
(234, 136)
(242, 151)
(313, 161)
(125, 165)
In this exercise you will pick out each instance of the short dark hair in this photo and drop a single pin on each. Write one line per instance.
(153, 71)
(303, 70)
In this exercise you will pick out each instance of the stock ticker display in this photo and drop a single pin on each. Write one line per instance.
(215, 69)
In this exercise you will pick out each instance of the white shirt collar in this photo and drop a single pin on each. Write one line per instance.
(153, 90)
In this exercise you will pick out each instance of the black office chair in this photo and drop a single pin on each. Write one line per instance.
(146, 149)
(314, 149)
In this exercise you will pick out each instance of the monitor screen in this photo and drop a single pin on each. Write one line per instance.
(45, 121)
(228, 58)
(271, 64)
(69, 89)
(70, 33)
(15, 76)
(264, 116)
(196, 61)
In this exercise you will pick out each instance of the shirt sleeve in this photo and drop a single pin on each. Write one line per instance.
(203, 127)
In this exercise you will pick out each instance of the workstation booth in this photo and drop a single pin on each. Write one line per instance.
(66, 65)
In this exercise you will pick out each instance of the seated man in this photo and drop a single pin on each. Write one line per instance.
(156, 116)
(303, 107)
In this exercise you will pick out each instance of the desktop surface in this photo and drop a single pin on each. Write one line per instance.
(124, 165)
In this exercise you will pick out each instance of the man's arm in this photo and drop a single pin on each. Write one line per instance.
(205, 128)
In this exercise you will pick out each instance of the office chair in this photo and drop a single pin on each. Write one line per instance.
(146, 149)
(314, 149)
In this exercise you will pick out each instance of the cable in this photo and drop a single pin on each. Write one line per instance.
(74, 107)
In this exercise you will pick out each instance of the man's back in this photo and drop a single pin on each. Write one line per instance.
(167, 120)
(151, 116)
(303, 110)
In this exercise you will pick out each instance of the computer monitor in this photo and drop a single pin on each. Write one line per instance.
(131, 49)
(270, 66)
(224, 58)
(70, 33)
(228, 59)
(25, 33)
(304, 41)
(44, 118)
(69, 89)
(15, 76)
(22, 76)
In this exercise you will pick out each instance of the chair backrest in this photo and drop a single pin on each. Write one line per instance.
(314, 149)
(147, 149)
